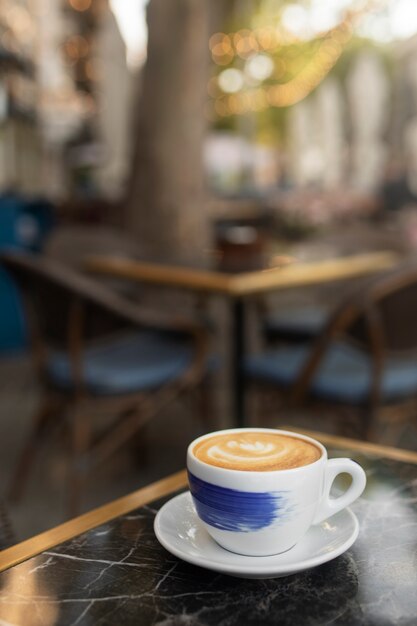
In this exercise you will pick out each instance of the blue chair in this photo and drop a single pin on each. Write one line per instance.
(364, 358)
(24, 225)
(96, 351)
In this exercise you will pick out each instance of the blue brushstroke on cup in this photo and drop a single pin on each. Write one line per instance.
(238, 511)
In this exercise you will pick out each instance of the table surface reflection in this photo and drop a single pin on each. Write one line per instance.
(117, 573)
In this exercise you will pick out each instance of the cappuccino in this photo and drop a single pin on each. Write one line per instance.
(256, 451)
(257, 491)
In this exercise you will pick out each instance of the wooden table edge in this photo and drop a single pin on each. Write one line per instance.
(311, 273)
(35, 545)
(246, 283)
(160, 273)
(44, 541)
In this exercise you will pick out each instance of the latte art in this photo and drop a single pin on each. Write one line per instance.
(256, 451)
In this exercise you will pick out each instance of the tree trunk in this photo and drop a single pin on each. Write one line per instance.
(166, 205)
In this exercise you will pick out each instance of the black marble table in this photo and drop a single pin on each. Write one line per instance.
(117, 573)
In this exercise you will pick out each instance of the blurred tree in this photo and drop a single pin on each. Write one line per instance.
(167, 203)
(167, 195)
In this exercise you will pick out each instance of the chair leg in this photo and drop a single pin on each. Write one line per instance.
(7, 537)
(267, 407)
(257, 406)
(40, 420)
(205, 404)
(140, 446)
(370, 425)
(130, 421)
(80, 424)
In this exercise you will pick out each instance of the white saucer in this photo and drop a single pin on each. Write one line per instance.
(179, 530)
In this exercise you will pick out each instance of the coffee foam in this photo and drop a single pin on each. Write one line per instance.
(256, 451)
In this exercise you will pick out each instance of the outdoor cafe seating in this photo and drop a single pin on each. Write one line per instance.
(96, 351)
(363, 358)
(208, 313)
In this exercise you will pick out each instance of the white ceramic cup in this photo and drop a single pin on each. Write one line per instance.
(258, 513)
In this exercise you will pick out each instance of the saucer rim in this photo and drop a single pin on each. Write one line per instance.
(261, 565)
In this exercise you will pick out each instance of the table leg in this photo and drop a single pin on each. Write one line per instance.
(238, 354)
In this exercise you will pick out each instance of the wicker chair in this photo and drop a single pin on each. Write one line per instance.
(364, 360)
(94, 352)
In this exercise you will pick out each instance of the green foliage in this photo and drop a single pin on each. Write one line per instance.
(356, 46)
(289, 60)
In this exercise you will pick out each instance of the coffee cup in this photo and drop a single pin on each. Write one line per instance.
(257, 491)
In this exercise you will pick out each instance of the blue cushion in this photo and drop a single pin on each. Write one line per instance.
(139, 361)
(344, 374)
(302, 323)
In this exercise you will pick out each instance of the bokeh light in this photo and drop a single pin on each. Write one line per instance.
(231, 80)
(295, 19)
(259, 67)
(80, 5)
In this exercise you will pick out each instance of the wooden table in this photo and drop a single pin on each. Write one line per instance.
(241, 286)
(106, 567)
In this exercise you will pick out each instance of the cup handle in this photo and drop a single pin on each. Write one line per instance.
(329, 506)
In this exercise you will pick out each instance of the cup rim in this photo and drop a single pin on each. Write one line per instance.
(191, 455)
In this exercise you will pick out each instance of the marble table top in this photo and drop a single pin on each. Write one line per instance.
(118, 573)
